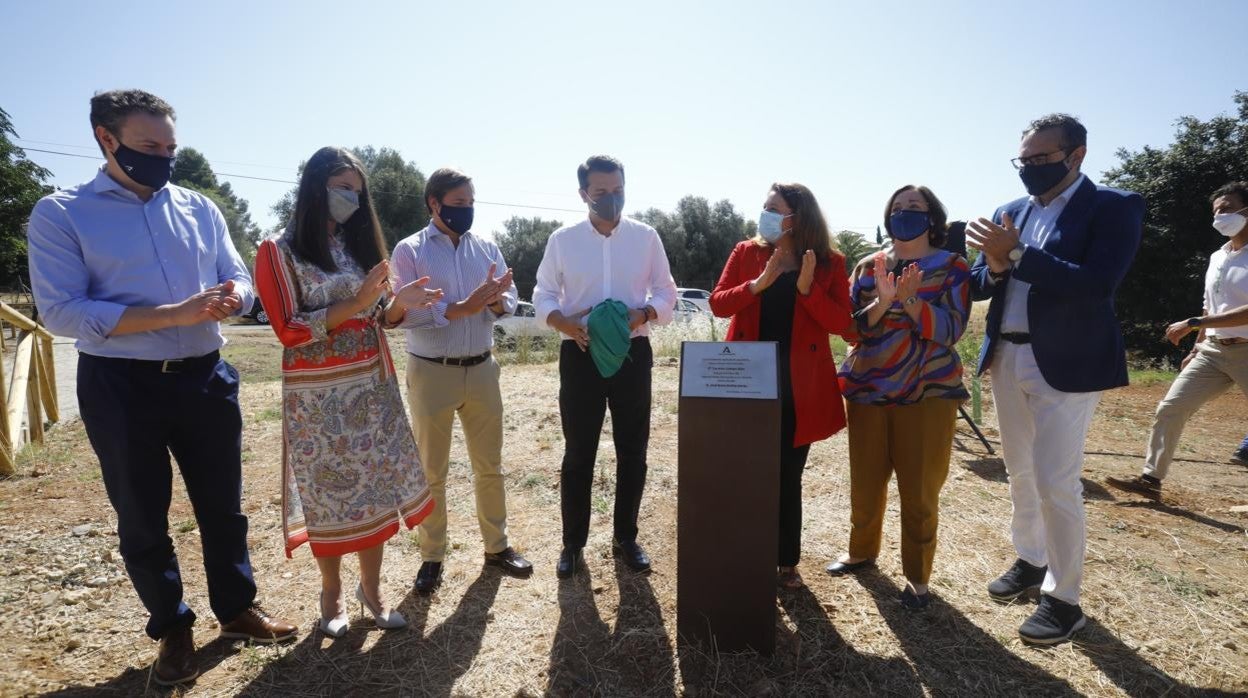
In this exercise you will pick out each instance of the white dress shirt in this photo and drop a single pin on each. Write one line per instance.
(1036, 230)
(1226, 288)
(582, 267)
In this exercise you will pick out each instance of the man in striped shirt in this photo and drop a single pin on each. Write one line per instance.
(450, 369)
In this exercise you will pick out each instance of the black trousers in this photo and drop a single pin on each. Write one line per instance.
(135, 415)
(792, 464)
(584, 397)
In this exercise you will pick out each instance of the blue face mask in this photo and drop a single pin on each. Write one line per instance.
(457, 218)
(908, 225)
(149, 170)
(608, 207)
(769, 226)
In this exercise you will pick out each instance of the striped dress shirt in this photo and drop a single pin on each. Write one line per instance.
(457, 270)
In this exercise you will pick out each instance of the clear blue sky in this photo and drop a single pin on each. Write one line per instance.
(716, 99)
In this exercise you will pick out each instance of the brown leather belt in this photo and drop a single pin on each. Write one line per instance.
(456, 361)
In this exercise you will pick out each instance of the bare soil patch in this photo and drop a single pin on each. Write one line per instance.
(1165, 589)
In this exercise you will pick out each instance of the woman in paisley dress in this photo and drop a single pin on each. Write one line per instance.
(351, 472)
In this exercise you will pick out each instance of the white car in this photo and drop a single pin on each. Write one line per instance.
(697, 296)
(521, 324)
(688, 311)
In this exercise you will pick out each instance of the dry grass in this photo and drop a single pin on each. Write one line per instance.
(1164, 589)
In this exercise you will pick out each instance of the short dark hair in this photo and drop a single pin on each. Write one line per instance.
(1074, 134)
(110, 109)
(936, 214)
(441, 182)
(598, 163)
(1239, 189)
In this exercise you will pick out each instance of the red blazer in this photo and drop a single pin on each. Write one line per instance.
(823, 312)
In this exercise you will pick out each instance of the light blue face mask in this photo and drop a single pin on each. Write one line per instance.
(769, 226)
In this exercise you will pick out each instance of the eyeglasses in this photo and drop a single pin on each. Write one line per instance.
(1018, 163)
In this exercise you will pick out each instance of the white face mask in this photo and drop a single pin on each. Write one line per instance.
(343, 204)
(1229, 224)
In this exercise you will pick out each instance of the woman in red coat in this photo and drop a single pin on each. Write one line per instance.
(789, 286)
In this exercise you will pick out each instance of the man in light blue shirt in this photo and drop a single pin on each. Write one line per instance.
(141, 272)
(450, 370)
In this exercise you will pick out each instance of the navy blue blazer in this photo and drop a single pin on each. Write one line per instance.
(1073, 276)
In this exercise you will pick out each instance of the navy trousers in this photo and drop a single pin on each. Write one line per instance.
(136, 414)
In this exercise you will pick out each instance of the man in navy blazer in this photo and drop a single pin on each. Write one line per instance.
(1051, 263)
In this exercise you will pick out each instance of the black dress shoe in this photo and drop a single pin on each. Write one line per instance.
(1146, 485)
(570, 561)
(1016, 581)
(510, 562)
(632, 555)
(176, 662)
(913, 601)
(838, 568)
(429, 577)
(1054, 621)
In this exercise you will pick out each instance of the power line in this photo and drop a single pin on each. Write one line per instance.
(293, 182)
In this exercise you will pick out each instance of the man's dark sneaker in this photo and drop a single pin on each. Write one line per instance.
(1054, 621)
(429, 577)
(1240, 456)
(1146, 485)
(1018, 580)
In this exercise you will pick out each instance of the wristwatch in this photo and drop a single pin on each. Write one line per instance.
(1016, 254)
(911, 300)
(1193, 322)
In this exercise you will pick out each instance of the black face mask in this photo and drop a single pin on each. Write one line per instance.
(608, 207)
(149, 170)
(1038, 179)
(457, 218)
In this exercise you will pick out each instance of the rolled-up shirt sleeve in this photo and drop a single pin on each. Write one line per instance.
(662, 286)
(60, 279)
(230, 265)
(511, 297)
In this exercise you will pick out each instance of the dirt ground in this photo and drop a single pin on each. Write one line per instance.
(1165, 588)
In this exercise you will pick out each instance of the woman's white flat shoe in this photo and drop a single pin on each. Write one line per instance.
(390, 620)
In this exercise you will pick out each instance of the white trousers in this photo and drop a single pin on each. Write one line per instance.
(1042, 435)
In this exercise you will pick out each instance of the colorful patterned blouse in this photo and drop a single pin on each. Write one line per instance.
(899, 361)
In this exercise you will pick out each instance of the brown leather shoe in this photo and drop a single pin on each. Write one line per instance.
(176, 662)
(254, 625)
(510, 561)
(1146, 485)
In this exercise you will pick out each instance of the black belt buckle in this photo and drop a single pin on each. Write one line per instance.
(1017, 337)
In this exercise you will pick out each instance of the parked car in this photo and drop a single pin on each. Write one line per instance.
(257, 313)
(697, 296)
(688, 311)
(523, 323)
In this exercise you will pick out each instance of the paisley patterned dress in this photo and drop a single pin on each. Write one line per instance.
(351, 471)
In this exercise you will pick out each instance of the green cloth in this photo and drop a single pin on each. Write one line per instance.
(609, 336)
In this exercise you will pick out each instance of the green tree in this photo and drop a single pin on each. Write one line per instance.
(21, 186)
(396, 186)
(854, 246)
(523, 242)
(1166, 281)
(698, 238)
(192, 170)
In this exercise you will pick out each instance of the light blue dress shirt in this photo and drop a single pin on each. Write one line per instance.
(458, 270)
(97, 249)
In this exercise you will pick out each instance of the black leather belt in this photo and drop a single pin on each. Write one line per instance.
(1017, 337)
(456, 361)
(163, 365)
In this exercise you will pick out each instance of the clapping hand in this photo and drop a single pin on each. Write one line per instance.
(376, 282)
(806, 276)
(908, 284)
(209, 305)
(415, 295)
(775, 263)
(502, 285)
(885, 282)
(995, 241)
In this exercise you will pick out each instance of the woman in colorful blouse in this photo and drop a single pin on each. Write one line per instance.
(902, 382)
(788, 286)
(350, 468)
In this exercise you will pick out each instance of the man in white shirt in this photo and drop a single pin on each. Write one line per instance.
(605, 256)
(1220, 357)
